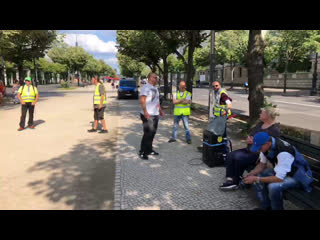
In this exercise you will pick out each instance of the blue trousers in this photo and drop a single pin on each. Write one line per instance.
(185, 120)
(271, 194)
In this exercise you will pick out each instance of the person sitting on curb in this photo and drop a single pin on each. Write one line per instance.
(290, 170)
(182, 102)
(99, 104)
(239, 160)
(28, 96)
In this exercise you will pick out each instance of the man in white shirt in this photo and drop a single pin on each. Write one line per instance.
(271, 182)
(150, 104)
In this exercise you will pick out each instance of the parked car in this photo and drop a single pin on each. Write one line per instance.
(128, 88)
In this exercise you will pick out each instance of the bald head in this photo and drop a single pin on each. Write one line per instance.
(182, 86)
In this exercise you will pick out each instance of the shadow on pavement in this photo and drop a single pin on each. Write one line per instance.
(38, 122)
(82, 178)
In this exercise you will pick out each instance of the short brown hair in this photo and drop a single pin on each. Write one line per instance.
(150, 73)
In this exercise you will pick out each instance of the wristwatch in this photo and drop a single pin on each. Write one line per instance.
(258, 180)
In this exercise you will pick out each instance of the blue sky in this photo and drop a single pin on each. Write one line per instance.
(99, 43)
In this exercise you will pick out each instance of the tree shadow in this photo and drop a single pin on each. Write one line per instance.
(83, 178)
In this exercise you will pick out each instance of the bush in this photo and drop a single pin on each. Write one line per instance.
(65, 84)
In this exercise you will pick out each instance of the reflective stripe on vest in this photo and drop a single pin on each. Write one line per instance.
(182, 109)
(97, 96)
(218, 109)
(28, 96)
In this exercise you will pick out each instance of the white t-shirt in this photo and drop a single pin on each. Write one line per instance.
(188, 97)
(152, 101)
(283, 166)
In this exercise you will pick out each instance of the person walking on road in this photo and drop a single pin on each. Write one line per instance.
(99, 105)
(150, 104)
(28, 96)
(182, 102)
(15, 88)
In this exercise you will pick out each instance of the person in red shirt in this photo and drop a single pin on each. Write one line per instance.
(2, 92)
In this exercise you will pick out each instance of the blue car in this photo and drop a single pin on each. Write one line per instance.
(128, 88)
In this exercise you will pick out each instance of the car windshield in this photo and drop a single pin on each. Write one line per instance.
(127, 83)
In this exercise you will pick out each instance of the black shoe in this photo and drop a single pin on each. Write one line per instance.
(228, 185)
(103, 131)
(143, 156)
(153, 152)
(92, 130)
(172, 140)
(189, 141)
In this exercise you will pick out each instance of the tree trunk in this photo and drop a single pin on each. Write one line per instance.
(190, 69)
(165, 77)
(21, 72)
(255, 74)
(285, 76)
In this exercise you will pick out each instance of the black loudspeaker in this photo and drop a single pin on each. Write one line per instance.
(213, 156)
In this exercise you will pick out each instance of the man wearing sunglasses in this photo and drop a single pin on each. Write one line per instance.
(222, 104)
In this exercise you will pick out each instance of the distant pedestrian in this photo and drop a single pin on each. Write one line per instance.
(150, 104)
(15, 88)
(2, 92)
(99, 105)
(182, 102)
(28, 96)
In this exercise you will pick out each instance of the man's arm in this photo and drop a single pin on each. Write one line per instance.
(258, 169)
(143, 106)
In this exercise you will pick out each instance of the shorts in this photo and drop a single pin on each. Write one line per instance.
(98, 113)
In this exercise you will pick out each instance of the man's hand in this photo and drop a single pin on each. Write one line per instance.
(161, 113)
(146, 114)
(100, 106)
(250, 179)
(33, 104)
(23, 103)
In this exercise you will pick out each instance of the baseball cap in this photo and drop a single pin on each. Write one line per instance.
(258, 140)
(28, 79)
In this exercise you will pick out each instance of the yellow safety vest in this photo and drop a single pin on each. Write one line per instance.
(28, 96)
(97, 96)
(182, 109)
(218, 109)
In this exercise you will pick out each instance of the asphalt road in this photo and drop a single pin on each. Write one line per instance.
(296, 109)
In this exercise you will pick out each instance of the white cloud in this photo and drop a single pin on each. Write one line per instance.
(91, 43)
(111, 61)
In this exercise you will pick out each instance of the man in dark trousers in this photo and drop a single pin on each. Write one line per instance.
(28, 96)
(150, 104)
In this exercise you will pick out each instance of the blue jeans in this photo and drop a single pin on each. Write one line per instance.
(185, 120)
(271, 194)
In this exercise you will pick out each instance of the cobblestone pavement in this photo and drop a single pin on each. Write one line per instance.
(174, 180)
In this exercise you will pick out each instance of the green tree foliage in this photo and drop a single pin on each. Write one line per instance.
(130, 67)
(291, 49)
(28, 45)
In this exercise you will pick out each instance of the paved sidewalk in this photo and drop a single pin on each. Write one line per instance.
(169, 181)
(58, 165)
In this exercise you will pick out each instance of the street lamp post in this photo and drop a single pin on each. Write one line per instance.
(212, 66)
(315, 77)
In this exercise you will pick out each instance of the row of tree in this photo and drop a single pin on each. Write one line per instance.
(27, 49)
(189, 50)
